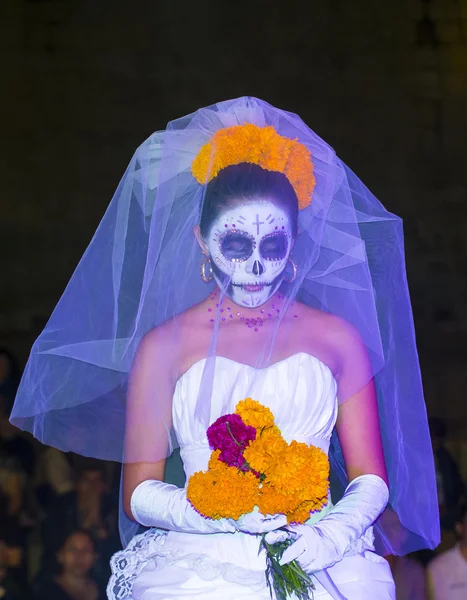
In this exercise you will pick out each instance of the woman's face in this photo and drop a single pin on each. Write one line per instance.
(249, 246)
(77, 555)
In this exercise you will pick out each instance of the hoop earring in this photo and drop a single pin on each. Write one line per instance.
(295, 270)
(208, 278)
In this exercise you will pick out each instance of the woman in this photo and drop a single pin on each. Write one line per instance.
(75, 559)
(302, 305)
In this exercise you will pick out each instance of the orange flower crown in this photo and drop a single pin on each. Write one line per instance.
(261, 146)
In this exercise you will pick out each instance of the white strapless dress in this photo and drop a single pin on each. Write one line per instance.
(156, 565)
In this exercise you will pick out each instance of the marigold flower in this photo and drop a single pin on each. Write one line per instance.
(279, 478)
(223, 493)
(262, 146)
(266, 449)
(254, 414)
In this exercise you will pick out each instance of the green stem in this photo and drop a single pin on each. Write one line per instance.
(227, 424)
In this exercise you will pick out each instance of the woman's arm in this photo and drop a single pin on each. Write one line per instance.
(359, 435)
(344, 529)
(149, 412)
(146, 498)
(358, 426)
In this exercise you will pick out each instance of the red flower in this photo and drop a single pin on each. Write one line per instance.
(231, 436)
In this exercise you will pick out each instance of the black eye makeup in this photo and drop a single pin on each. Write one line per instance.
(237, 246)
(274, 246)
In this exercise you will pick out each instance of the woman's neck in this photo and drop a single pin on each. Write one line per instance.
(273, 307)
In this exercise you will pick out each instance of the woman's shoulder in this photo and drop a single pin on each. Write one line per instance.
(168, 343)
(329, 337)
(326, 325)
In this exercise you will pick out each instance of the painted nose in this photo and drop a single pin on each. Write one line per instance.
(258, 268)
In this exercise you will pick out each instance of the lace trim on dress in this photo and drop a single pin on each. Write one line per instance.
(127, 564)
(149, 546)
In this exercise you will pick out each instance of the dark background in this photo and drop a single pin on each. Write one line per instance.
(385, 83)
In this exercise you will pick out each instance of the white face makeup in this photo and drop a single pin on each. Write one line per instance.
(249, 246)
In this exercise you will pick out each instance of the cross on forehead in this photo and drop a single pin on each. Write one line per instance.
(257, 223)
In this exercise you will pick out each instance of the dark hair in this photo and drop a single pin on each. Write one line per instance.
(237, 183)
(79, 531)
(91, 465)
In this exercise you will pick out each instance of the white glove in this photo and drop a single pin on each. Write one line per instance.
(158, 504)
(324, 544)
(257, 523)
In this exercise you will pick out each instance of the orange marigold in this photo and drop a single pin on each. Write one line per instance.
(223, 493)
(255, 414)
(268, 448)
(302, 512)
(272, 502)
(262, 146)
(300, 473)
(214, 463)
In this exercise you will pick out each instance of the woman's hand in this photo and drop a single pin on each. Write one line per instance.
(256, 523)
(346, 529)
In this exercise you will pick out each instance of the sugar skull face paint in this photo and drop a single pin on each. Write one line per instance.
(249, 246)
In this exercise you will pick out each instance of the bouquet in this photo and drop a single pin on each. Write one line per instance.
(251, 468)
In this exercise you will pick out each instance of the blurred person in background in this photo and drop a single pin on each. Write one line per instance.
(409, 577)
(89, 507)
(70, 578)
(408, 573)
(447, 573)
(17, 460)
(9, 589)
(13, 444)
(54, 476)
(451, 488)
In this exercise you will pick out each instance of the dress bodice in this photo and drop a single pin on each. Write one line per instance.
(300, 390)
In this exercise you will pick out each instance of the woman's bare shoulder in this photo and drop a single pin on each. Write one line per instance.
(324, 323)
(328, 336)
(169, 342)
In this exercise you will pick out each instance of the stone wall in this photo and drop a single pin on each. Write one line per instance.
(384, 82)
